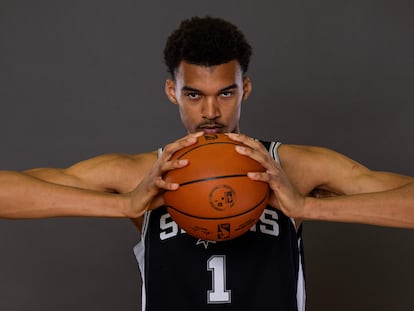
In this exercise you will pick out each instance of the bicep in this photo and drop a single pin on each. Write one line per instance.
(314, 169)
(110, 173)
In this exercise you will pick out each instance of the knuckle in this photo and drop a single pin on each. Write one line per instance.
(169, 149)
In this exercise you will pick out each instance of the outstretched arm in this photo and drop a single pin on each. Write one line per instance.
(391, 208)
(112, 185)
(24, 196)
(355, 193)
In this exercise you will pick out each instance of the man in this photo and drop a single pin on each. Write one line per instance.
(208, 59)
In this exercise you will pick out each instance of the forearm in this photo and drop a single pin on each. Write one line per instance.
(23, 196)
(392, 208)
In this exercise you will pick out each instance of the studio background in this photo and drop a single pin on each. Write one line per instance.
(82, 78)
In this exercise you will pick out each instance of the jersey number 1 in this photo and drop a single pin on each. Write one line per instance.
(219, 294)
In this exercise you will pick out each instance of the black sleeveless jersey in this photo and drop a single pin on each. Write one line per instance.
(260, 270)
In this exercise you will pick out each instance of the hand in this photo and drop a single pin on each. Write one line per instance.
(283, 195)
(148, 194)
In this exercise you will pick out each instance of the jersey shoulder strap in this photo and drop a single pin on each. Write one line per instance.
(272, 147)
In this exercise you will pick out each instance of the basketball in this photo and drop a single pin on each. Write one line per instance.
(216, 199)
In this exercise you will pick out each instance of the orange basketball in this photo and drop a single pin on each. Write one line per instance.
(216, 200)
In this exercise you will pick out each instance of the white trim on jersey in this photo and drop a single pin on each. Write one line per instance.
(273, 150)
(160, 150)
(301, 290)
(139, 251)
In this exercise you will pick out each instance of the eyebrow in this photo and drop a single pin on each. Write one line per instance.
(190, 89)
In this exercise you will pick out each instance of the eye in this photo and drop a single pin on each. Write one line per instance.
(227, 94)
(192, 95)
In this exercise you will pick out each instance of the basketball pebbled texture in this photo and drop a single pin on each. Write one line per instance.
(216, 200)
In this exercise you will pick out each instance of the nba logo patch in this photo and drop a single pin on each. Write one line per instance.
(223, 231)
(222, 197)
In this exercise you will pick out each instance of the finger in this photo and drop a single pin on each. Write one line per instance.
(260, 156)
(166, 165)
(259, 176)
(252, 148)
(181, 143)
(163, 184)
(246, 140)
(170, 165)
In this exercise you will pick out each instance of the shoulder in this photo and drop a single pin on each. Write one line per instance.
(313, 169)
(312, 156)
(292, 153)
(118, 160)
(121, 160)
(114, 172)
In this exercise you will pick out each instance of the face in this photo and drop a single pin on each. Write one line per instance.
(209, 98)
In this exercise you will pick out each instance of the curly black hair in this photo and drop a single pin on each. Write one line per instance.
(206, 41)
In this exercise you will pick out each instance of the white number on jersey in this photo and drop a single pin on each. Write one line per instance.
(219, 294)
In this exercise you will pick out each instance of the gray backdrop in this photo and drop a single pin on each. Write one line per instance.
(80, 78)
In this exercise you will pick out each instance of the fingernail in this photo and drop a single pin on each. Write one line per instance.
(174, 186)
(253, 175)
(240, 148)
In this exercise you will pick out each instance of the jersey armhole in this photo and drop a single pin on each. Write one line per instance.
(273, 147)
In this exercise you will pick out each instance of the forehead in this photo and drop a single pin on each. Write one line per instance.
(212, 77)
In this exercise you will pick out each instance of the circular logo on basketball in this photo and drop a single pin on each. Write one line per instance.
(222, 197)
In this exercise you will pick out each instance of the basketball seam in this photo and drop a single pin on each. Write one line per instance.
(221, 217)
(211, 178)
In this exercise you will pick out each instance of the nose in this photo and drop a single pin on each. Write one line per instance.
(210, 109)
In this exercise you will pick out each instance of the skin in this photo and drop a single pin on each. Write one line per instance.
(206, 103)
(314, 183)
(24, 196)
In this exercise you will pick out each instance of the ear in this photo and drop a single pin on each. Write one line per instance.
(170, 91)
(247, 88)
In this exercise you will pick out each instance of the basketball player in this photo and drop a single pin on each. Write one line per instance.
(208, 60)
